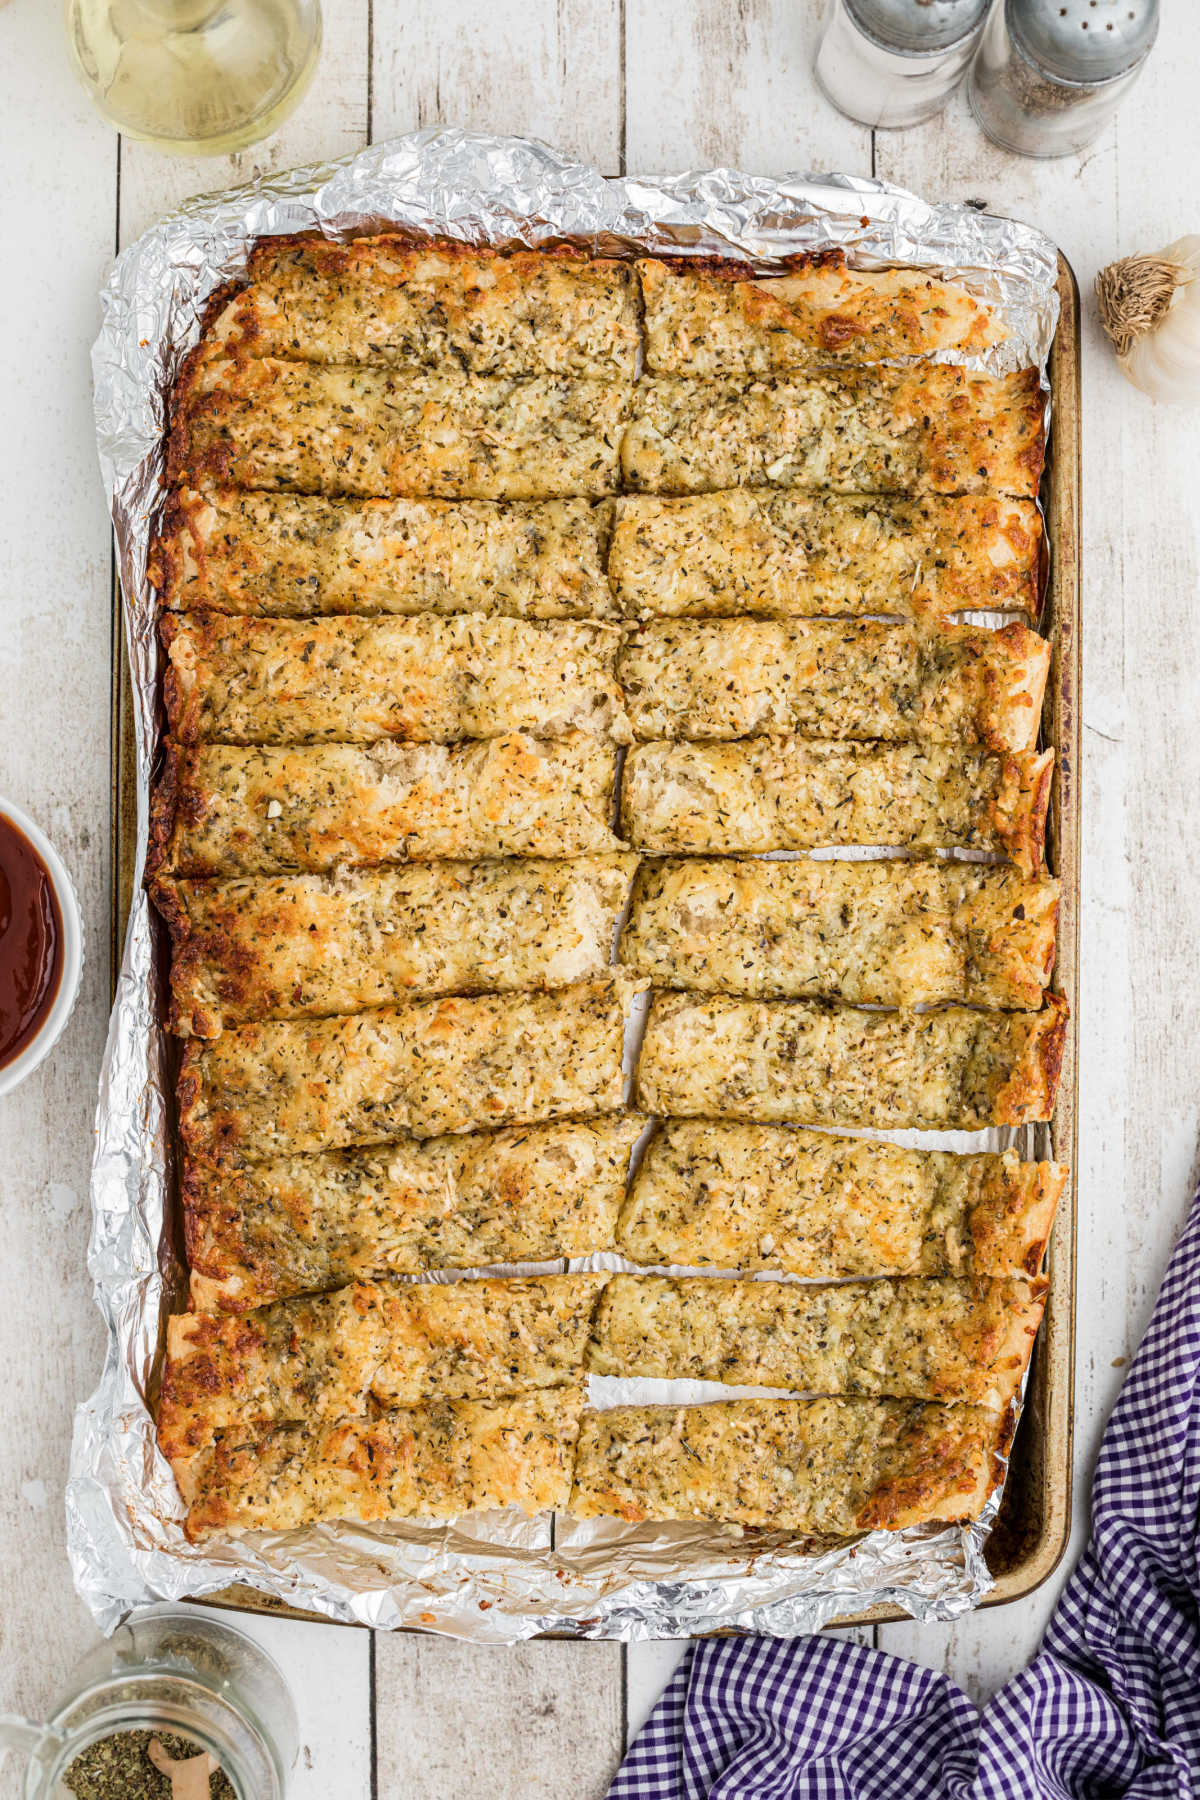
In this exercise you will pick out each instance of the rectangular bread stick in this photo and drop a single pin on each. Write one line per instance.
(432, 1462)
(806, 1063)
(260, 1231)
(930, 429)
(422, 1069)
(943, 1339)
(731, 1196)
(363, 432)
(792, 555)
(444, 304)
(828, 1467)
(220, 809)
(763, 794)
(421, 680)
(308, 946)
(892, 683)
(889, 932)
(712, 319)
(295, 555)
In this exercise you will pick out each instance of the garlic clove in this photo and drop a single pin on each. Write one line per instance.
(1150, 307)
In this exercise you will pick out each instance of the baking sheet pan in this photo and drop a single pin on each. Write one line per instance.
(1034, 1520)
(1031, 1531)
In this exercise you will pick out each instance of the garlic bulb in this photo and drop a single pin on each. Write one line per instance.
(1150, 308)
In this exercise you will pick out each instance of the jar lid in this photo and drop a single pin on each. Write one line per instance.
(1083, 40)
(917, 27)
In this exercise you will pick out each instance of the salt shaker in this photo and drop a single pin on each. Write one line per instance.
(895, 62)
(1050, 73)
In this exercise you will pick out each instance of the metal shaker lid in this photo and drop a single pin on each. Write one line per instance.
(917, 27)
(1083, 40)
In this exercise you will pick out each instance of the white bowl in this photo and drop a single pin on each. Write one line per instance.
(51, 1028)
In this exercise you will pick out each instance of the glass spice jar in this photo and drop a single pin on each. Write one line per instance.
(890, 63)
(1050, 74)
(179, 1673)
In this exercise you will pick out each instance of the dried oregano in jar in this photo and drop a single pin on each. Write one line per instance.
(146, 1765)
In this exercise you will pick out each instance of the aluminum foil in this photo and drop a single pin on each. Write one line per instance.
(499, 1577)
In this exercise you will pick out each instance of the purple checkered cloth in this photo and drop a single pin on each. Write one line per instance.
(1110, 1706)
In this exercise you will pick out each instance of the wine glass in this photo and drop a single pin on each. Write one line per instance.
(195, 76)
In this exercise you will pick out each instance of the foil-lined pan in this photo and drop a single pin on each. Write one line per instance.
(498, 1577)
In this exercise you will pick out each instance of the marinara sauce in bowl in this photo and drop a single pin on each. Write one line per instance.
(41, 946)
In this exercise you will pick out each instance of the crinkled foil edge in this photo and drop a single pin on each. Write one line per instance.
(499, 1578)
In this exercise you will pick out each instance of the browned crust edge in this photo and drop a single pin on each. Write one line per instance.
(166, 801)
(960, 432)
(947, 1475)
(1027, 1097)
(1015, 688)
(188, 1089)
(181, 716)
(164, 565)
(342, 253)
(1006, 1342)
(1026, 1202)
(1018, 813)
(736, 268)
(168, 903)
(209, 1204)
(187, 1016)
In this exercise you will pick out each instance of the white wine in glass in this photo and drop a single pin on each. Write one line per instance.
(195, 76)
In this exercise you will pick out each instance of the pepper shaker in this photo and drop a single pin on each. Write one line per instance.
(1051, 73)
(895, 62)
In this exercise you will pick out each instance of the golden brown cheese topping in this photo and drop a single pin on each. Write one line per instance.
(828, 1467)
(310, 945)
(295, 555)
(367, 1349)
(787, 555)
(221, 809)
(892, 683)
(769, 1197)
(428, 680)
(385, 299)
(361, 432)
(391, 465)
(805, 1063)
(932, 429)
(905, 1340)
(764, 794)
(422, 1069)
(530, 1193)
(712, 322)
(888, 932)
(423, 1462)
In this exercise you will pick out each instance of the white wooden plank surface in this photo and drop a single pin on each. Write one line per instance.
(58, 169)
(329, 1672)
(538, 68)
(611, 80)
(712, 84)
(539, 1721)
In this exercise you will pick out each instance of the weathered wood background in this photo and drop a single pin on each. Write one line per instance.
(629, 84)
